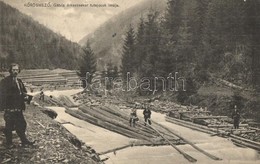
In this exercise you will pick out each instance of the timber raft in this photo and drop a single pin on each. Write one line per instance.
(111, 117)
(116, 118)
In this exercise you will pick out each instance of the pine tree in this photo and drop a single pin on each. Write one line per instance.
(185, 55)
(218, 33)
(128, 55)
(140, 46)
(173, 18)
(252, 30)
(170, 36)
(87, 65)
(152, 42)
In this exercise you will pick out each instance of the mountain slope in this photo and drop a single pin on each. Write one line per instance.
(106, 41)
(31, 44)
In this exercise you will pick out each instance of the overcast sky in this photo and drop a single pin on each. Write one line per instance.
(72, 22)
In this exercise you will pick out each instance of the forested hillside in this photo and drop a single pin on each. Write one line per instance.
(213, 45)
(106, 41)
(31, 44)
(210, 43)
(197, 38)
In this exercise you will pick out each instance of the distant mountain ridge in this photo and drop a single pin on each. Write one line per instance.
(106, 40)
(31, 44)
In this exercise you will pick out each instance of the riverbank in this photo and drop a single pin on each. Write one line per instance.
(54, 143)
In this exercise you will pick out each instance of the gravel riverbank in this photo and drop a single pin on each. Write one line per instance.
(54, 144)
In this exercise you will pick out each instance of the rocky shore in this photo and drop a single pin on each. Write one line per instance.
(54, 144)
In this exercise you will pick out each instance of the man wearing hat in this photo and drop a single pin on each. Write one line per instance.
(236, 117)
(147, 114)
(12, 102)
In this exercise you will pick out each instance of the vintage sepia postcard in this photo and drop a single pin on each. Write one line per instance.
(130, 81)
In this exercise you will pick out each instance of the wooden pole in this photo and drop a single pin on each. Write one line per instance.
(193, 145)
(187, 156)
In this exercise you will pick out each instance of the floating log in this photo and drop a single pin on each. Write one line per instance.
(122, 124)
(219, 132)
(112, 114)
(121, 130)
(243, 130)
(257, 144)
(123, 115)
(257, 129)
(132, 145)
(82, 116)
(187, 156)
(189, 125)
(247, 144)
(66, 101)
(210, 117)
(183, 112)
(189, 142)
(225, 125)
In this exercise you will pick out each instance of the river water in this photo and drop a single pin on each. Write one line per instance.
(102, 140)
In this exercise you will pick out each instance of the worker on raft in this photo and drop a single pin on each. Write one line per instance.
(133, 118)
(41, 95)
(147, 115)
(236, 117)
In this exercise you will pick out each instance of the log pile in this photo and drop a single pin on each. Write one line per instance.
(219, 124)
(118, 121)
(40, 77)
(66, 101)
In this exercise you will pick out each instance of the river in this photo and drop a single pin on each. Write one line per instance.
(102, 140)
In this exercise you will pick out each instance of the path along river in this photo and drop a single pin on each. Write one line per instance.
(102, 140)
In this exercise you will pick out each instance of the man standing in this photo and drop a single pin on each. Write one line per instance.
(133, 118)
(147, 115)
(236, 117)
(12, 97)
(41, 95)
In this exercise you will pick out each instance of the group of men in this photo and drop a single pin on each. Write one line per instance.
(13, 96)
(147, 116)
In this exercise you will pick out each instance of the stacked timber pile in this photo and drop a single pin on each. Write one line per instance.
(70, 75)
(41, 77)
(48, 78)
